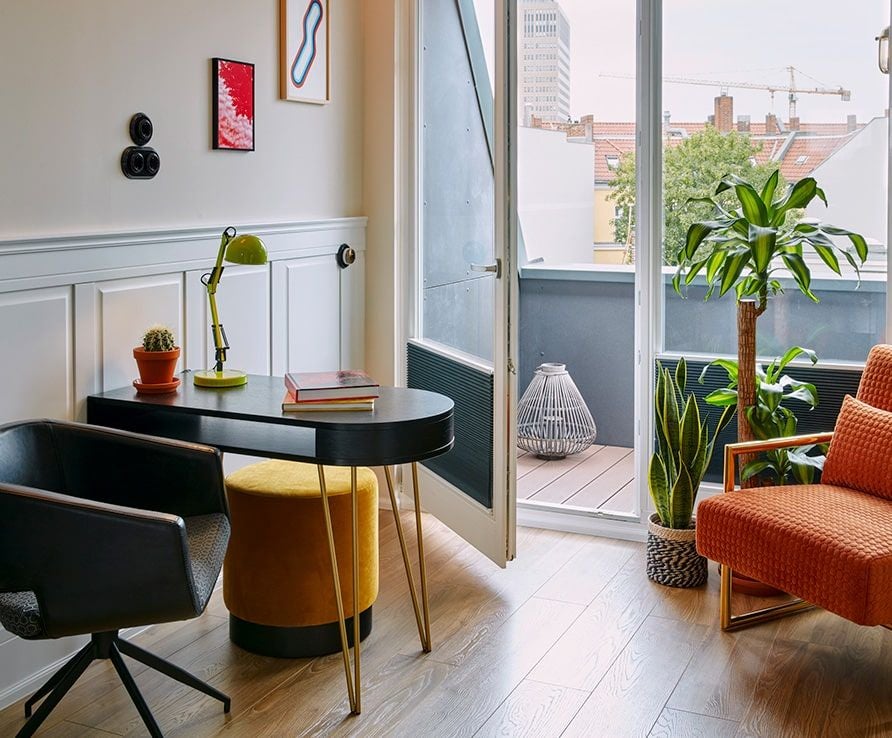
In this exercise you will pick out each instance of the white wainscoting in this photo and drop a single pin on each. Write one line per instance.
(243, 304)
(306, 314)
(73, 307)
(37, 376)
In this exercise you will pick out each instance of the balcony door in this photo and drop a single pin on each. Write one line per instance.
(462, 282)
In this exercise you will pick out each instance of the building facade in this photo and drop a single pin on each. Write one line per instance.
(544, 79)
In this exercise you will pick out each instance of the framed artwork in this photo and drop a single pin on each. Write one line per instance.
(303, 50)
(233, 100)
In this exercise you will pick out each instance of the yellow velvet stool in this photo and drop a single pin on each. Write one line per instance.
(277, 581)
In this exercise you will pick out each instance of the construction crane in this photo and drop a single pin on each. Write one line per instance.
(792, 89)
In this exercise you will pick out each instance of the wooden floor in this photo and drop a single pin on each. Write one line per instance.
(599, 478)
(572, 639)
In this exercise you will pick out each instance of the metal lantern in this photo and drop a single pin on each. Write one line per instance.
(552, 418)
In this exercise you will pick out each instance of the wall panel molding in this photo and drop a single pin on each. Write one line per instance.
(75, 306)
(57, 260)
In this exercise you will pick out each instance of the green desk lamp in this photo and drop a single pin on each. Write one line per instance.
(244, 249)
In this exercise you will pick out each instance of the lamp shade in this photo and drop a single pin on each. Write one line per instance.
(246, 249)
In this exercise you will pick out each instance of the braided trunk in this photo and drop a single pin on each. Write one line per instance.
(747, 313)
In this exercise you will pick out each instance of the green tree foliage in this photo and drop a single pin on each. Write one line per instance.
(690, 170)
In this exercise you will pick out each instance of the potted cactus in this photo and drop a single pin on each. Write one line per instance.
(684, 449)
(157, 359)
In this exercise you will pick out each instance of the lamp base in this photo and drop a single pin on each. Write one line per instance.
(226, 378)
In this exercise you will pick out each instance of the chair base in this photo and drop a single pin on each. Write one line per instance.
(731, 622)
(110, 646)
(297, 642)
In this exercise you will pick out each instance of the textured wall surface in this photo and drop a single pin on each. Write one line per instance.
(74, 73)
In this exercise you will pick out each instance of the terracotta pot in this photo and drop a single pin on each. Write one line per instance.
(156, 367)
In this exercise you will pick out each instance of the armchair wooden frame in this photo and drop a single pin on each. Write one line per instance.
(730, 621)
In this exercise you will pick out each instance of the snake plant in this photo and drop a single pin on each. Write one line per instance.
(684, 447)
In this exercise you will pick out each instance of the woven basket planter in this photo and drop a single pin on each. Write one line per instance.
(672, 557)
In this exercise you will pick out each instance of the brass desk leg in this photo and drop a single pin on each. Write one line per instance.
(422, 614)
(425, 644)
(424, 600)
(337, 589)
(357, 689)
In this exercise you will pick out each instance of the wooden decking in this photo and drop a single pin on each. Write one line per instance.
(599, 478)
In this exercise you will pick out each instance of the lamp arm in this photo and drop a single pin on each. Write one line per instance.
(212, 281)
(217, 272)
(220, 344)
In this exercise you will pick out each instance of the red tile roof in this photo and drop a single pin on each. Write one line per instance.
(799, 152)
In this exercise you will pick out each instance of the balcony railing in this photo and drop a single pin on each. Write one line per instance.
(584, 316)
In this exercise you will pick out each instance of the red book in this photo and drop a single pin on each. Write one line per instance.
(340, 385)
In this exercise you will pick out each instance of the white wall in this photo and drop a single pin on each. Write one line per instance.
(554, 200)
(854, 179)
(73, 73)
(75, 234)
(380, 184)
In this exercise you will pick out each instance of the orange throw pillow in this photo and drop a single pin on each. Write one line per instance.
(860, 455)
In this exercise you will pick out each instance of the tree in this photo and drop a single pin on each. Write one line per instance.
(690, 170)
(746, 246)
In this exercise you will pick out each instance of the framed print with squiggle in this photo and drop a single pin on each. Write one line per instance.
(303, 50)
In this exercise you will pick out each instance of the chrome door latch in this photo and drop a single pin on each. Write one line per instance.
(495, 268)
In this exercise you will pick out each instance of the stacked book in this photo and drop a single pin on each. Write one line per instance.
(329, 391)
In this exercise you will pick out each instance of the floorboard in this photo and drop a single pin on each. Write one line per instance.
(572, 639)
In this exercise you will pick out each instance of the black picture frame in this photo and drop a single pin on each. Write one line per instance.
(215, 105)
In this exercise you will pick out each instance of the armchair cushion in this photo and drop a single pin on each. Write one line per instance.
(876, 382)
(829, 545)
(860, 455)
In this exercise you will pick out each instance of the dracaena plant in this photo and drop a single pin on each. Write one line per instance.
(769, 417)
(747, 246)
(684, 447)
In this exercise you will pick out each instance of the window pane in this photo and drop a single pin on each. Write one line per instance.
(577, 300)
(780, 100)
(457, 177)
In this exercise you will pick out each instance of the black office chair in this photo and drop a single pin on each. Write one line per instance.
(102, 530)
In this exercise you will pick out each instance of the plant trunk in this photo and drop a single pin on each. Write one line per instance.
(747, 313)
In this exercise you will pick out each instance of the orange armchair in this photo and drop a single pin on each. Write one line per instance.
(828, 544)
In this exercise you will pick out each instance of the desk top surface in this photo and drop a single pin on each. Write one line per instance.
(406, 424)
(260, 400)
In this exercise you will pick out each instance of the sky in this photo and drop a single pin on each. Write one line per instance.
(831, 42)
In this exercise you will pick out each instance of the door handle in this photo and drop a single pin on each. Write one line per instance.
(495, 268)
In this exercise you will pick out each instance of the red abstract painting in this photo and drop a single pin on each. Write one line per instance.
(233, 105)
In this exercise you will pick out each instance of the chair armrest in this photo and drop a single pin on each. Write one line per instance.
(93, 566)
(141, 471)
(733, 450)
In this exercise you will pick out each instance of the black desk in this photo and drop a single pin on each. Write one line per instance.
(406, 426)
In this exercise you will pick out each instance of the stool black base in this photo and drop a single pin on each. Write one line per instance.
(298, 642)
(109, 646)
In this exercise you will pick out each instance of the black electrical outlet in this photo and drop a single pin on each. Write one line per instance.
(140, 162)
